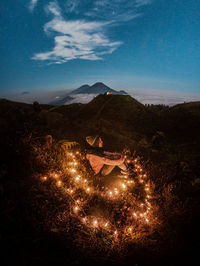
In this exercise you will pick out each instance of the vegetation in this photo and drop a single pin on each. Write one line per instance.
(35, 225)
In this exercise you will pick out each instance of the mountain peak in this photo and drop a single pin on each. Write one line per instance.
(97, 88)
(99, 84)
(86, 92)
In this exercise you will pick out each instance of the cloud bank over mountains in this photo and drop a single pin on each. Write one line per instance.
(144, 96)
(81, 29)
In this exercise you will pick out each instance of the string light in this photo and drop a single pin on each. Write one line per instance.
(99, 222)
(123, 186)
(44, 178)
(116, 191)
(77, 178)
(55, 175)
(76, 209)
(95, 223)
(59, 183)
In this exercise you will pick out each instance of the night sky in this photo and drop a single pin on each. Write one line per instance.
(63, 44)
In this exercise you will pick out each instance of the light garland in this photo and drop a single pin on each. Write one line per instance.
(132, 211)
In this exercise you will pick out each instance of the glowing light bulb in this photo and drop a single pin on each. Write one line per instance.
(73, 170)
(71, 191)
(75, 163)
(88, 189)
(95, 223)
(77, 178)
(115, 232)
(84, 220)
(116, 192)
(123, 186)
(85, 180)
(59, 183)
(44, 178)
(110, 193)
(135, 214)
(55, 175)
(106, 224)
(141, 215)
(147, 220)
(130, 229)
(76, 209)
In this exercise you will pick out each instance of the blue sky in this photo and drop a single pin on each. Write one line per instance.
(62, 44)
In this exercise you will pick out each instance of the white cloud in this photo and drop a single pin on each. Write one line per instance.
(116, 10)
(75, 39)
(147, 96)
(54, 9)
(33, 4)
(142, 2)
(85, 37)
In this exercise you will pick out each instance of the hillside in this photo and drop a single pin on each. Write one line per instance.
(165, 138)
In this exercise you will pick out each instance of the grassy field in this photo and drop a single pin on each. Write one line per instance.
(38, 226)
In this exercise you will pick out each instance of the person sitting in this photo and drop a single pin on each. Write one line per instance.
(101, 161)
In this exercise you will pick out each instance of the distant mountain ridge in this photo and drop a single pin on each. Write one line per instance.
(96, 89)
(61, 101)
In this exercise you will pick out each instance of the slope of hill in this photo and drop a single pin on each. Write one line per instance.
(191, 107)
(62, 101)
